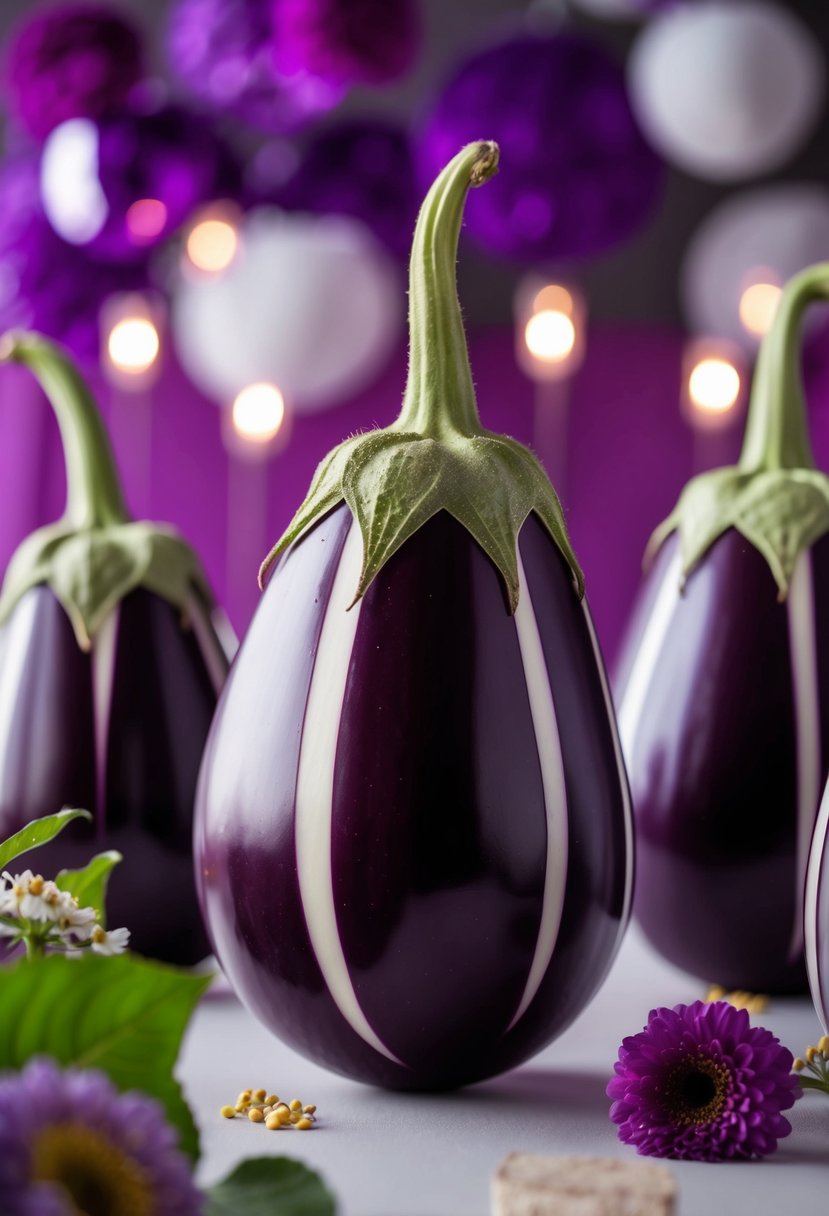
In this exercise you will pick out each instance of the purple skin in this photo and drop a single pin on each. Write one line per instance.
(439, 829)
(816, 919)
(162, 703)
(713, 770)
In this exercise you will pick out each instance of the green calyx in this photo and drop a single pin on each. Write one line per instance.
(95, 554)
(436, 456)
(774, 496)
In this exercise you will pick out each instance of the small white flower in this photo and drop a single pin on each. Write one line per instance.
(45, 901)
(113, 942)
(78, 922)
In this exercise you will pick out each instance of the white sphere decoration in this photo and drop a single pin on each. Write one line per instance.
(311, 304)
(758, 236)
(726, 89)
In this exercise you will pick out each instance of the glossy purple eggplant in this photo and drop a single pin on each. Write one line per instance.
(816, 914)
(108, 682)
(412, 829)
(723, 693)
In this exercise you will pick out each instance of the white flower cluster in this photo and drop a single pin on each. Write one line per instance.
(32, 907)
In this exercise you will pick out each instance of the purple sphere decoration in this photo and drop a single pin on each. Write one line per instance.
(362, 168)
(74, 61)
(223, 51)
(45, 283)
(144, 173)
(699, 1083)
(577, 177)
(69, 1142)
(346, 41)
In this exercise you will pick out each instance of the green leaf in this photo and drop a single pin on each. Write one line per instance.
(123, 1015)
(89, 885)
(36, 833)
(270, 1186)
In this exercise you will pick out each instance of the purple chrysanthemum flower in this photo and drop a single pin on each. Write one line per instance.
(76, 61)
(70, 1142)
(699, 1083)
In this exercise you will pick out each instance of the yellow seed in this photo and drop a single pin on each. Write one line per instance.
(304, 1125)
(296, 1104)
(259, 1095)
(283, 1115)
(255, 1115)
(310, 1109)
(244, 1098)
(294, 1116)
(273, 1123)
(811, 1052)
(283, 1106)
(228, 1112)
(272, 1100)
(799, 1064)
(266, 1110)
(823, 1044)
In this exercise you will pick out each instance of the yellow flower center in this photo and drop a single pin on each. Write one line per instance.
(696, 1090)
(97, 1177)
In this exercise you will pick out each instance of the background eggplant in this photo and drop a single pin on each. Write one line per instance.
(413, 830)
(723, 691)
(109, 671)
(816, 914)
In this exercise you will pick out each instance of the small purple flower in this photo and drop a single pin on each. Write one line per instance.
(75, 61)
(70, 1142)
(699, 1083)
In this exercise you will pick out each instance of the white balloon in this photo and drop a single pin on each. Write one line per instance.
(764, 235)
(310, 303)
(727, 90)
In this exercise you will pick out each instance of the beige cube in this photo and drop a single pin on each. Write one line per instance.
(527, 1185)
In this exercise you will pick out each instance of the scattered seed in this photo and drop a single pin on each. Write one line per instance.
(304, 1125)
(272, 1100)
(273, 1123)
(255, 1115)
(295, 1104)
(259, 1095)
(310, 1110)
(228, 1112)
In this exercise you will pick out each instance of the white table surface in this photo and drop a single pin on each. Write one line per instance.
(390, 1154)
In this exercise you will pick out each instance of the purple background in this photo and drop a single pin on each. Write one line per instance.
(629, 454)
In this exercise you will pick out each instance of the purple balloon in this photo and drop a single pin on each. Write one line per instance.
(223, 51)
(346, 41)
(45, 283)
(150, 171)
(576, 177)
(75, 61)
(362, 168)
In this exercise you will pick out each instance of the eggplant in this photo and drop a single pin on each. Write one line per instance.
(413, 830)
(816, 914)
(110, 666)
(723, 691)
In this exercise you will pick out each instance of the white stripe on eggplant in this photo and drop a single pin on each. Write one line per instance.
(620, 765)
(315, 789)
(19, 633)
(542, 710)
(800, 606)
(811, 911)
(103, 676)
(650, 648)
(211, 645)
